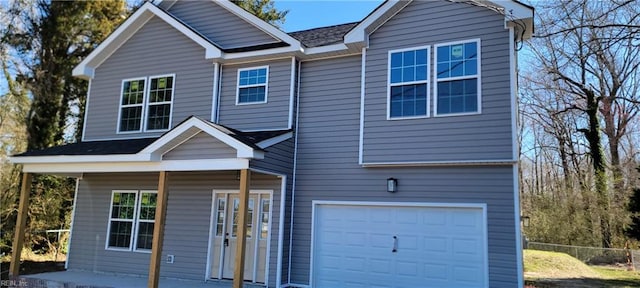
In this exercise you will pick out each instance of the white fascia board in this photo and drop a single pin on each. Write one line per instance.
(243, 150)
(259, 23)
(358, 34)
(167, 165)
(87, 66)
(513, 9)
(260, 53)
(275, 140)
(140, 157)
(326, 49)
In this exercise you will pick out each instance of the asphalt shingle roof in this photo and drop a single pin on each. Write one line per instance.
(133, 146)
(109, 147)
(324, 35)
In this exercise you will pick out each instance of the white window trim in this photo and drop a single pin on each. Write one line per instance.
(238, 86)
(120, 106)
(134, 240)
(109, 219)
(477, 76)
(389, 84)
(145, 104)
(148, 103)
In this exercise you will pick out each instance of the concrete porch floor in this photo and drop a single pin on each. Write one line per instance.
(87, 279)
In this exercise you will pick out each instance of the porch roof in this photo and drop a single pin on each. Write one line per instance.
(145, 154)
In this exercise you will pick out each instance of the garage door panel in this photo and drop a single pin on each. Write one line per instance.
(436, 246)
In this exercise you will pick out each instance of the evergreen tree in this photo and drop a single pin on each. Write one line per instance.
(263, 9)
(45, 41)
(633, 231)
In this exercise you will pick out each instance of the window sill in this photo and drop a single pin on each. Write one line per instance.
(457, 114)
(406, 118)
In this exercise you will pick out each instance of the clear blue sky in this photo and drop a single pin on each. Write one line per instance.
(307, 14)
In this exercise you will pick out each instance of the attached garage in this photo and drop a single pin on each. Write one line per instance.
(370, 244)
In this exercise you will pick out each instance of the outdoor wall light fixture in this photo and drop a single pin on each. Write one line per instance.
(392, 185)
(525, 221)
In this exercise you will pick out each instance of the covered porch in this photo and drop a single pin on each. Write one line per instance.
(113, 173)
(88, 279)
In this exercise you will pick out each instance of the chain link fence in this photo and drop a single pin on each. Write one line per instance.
(593, 255)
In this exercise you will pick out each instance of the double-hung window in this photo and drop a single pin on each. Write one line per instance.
(145, 104)
(458, 78)
(131, 220)
(252, 85)
(131, 105)
(408, 83)
(159, 105)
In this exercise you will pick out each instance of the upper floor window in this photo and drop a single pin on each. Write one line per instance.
(146, 103)
(159, 106)
(252, 85)
(458, 78)
(408, 83)
(131, 105)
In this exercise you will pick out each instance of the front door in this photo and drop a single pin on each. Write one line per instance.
(225, 225)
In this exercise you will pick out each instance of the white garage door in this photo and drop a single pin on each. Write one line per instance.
(398, 246)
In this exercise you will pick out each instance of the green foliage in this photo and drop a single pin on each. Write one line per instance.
(50, 38)
(263, 9)
(554, 220)
(42, 41)
(633, 231)
(14, 105)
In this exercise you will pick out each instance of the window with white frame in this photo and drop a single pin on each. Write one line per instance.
(131, 105)
(457, 88)
(252, 85)
(408, 83)
(131, 220)
(146, 104)
(159, 105)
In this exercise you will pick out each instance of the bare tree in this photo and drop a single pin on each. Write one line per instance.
(587, 55)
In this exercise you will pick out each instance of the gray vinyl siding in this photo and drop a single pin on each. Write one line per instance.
(219, 25)
(279, 159)
(262, 116)
(187, 222)
(486, 136)
(327, 169)
(149, 52)
(201, 146)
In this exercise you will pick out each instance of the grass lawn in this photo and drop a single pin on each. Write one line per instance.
(555, 270)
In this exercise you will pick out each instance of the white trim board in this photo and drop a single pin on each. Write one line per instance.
(167, 165)
(490, 162)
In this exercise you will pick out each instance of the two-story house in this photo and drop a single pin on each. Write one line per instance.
(380, 153)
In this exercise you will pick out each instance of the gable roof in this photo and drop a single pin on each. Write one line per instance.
(129, 27)
(87, 67)
(513, 10)
(349, 37)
